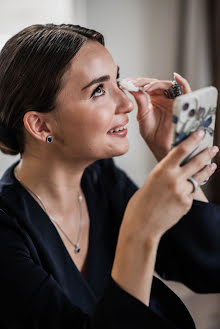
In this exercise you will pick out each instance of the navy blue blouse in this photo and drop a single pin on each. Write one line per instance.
(42, 288)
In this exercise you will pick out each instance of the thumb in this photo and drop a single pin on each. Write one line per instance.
(142, 103)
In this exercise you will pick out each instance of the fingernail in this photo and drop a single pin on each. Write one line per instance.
(215, 149)
(177, 74)
(201, 132)
(213, 166)
(147, 86)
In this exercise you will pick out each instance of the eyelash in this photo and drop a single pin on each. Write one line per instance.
(102, 86)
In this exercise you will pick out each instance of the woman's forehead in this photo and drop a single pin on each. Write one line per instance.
(92, 60)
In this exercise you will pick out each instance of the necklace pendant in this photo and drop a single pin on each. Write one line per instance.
(77, 249)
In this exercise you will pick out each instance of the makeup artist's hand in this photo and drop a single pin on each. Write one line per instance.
(155, 116)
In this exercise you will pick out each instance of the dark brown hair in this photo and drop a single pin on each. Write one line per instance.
(32, 64)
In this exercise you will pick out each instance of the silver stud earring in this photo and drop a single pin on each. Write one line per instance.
(49, 139)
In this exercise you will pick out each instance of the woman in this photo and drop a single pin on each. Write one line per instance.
(78, 239)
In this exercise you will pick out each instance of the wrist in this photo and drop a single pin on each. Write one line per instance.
(134, 265)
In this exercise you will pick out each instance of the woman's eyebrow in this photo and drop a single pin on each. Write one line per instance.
(100, 79)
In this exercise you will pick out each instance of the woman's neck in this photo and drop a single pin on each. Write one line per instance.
(57, 184)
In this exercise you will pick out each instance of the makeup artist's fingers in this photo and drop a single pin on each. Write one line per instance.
(183, 82)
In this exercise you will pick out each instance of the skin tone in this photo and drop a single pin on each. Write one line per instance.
(79, 126)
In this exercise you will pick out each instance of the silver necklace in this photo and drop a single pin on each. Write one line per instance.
(75, 245)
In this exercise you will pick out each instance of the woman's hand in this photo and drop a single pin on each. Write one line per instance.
(158, 205)
(166, 194)
(155, 116)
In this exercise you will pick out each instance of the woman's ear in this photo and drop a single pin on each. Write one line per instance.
(36, 125)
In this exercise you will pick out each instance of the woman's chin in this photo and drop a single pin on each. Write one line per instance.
(120, 150)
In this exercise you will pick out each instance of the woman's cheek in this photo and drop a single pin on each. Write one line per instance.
(104, 118)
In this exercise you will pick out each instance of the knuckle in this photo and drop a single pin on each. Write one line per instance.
(186, 204)
(170, 176)
(196, 137)
(183, 149)
(172, 186)
(179, 197)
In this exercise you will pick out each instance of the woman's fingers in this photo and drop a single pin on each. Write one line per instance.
(197, 166)
(141, 82)
(181, 151)
(150, 84)
(201, 176)
(142, 103)
(183, 82)
(200, 161)
(157, 85)
(205, 173)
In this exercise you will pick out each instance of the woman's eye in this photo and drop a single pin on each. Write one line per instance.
(99, 91)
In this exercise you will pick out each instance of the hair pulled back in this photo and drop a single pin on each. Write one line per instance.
(32, 64)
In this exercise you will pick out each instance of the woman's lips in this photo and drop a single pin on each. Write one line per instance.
(120, 125)
(121, 133)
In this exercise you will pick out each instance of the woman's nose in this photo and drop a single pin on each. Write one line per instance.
(124, 103)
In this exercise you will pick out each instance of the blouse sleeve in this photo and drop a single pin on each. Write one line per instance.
(190, 251)
(32, 298)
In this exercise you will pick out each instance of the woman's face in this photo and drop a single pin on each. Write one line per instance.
(89, 105)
